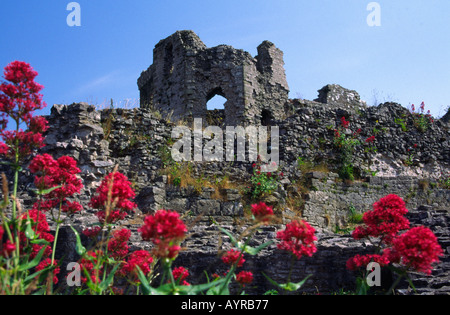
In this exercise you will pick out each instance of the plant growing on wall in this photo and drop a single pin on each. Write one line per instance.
(261, 183)
(346, 141)
(422, 121)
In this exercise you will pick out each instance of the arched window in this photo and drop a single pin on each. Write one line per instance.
(215, 99)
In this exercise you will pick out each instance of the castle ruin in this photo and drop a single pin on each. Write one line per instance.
(186, 74)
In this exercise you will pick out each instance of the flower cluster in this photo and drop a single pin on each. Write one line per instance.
(180, 274)
(359, 261)
(40, 226)
(385, 220)
(47, 262)
(244, 277)
(60, 173)
(18, 100)
(118, 244)
(138, 259)
(233, 257)
(166, 230)
(262, 212)
(113, 198)
(91, 266)
(298, 238)
(415, 249)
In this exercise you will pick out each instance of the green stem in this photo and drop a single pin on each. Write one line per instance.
(397, 281)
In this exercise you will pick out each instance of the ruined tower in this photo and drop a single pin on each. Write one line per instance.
(186, 74)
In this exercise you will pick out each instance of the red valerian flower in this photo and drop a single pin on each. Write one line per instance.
(244, 277)
(39, 225)
(18, 100)
(89, 264)
(114, 192)
(118, 244)
(180, 274)
(385, 220)
(418, 249)
(233, 257)
(47, 262)
(52, 173)
(7, 249)
(345, 123)
(139, 258)
(370, 139)
(166, 230)
(359, 261)
(262, 212)
(298, 238)
(92, 232)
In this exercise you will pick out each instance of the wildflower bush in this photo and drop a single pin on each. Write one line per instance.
(422, 121)
(346, 141)
(263, 183)
(397, 246)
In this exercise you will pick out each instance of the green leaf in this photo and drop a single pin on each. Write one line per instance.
(36, 274)
(290, 286)
(47, 191)
(197, 289)
(255, 251)
(79, 248)
(40, 241)
(107, 282)
(233, 240)
(36, 260)
(29, 232)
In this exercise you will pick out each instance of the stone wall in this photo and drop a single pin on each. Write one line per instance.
(138, 141)
(185, 75)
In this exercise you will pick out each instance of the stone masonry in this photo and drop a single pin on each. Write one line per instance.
(185, 75)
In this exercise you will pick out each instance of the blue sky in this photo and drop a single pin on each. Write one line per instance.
(406, 59)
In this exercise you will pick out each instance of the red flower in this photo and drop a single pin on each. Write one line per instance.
(90, 265)
(370, 139)
(359, 261)
(118, 200)
(139, 258)
(117, 246)
(345, 123)
(166, 230)
(262, 212)
(92, 232)
(180, 274)
(51, 173)
(233, 257)
(7, 249)
(40, 226)
(244, 277)
(46, 263)
(298, 238)
(18, 100)
(385, 220)
(418, 249)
